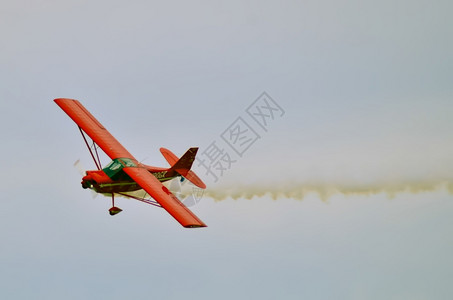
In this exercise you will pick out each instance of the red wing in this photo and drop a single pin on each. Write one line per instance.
(165, 198)
(93, 128)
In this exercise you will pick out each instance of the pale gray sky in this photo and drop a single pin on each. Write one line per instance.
(366, 89)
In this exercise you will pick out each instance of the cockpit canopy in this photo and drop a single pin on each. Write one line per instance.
(115, 167)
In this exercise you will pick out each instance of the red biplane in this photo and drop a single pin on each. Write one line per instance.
(124, 174)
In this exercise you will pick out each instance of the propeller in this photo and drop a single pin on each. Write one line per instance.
(81, 169)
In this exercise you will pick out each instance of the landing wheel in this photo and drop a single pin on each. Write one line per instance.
(114, 210)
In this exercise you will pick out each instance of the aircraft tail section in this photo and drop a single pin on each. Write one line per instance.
(182, 165)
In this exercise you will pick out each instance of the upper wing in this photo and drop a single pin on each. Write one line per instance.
(165, 198)
(93, 128)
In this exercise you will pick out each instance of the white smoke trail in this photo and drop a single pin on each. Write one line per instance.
(324, 191)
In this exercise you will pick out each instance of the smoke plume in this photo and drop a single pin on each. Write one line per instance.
(324, 191)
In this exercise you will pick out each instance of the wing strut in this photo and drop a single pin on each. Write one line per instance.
(96, 162)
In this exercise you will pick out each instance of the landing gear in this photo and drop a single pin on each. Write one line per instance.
(114, 210)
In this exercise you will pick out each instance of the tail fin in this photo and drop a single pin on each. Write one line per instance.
(182, 166)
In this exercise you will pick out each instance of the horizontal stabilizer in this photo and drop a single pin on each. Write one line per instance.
(169, 156)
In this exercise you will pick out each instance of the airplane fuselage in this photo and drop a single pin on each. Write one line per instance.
(112, 179)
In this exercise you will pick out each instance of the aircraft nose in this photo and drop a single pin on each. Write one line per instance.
(85, 184)
(87, 181)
